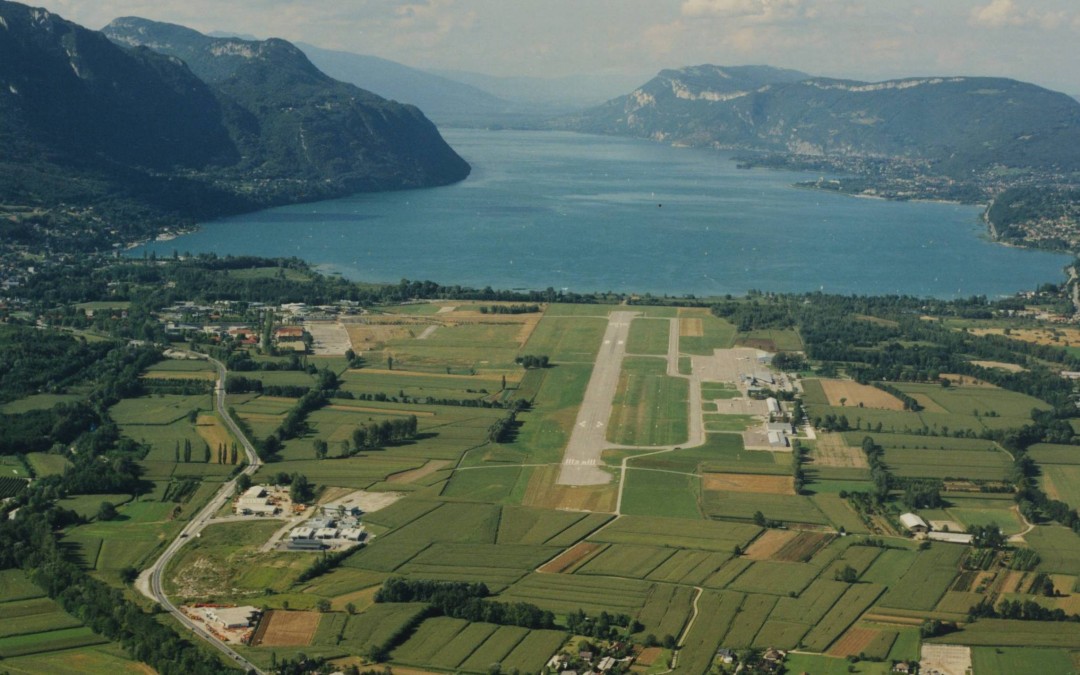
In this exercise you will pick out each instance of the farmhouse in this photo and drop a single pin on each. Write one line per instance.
(913, 523)
(232, 617)
(774, 405)
(777, 440)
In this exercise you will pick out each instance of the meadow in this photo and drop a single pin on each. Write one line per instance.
(649, 407)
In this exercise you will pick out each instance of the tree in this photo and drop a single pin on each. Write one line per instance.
(107, 511)
(848, 575)
(187, 449)
(350, 608)
(323, 605)
(206, 452)
(759, 519)
(243, 482)
(321, 448)
(300, 490)
(129, 574)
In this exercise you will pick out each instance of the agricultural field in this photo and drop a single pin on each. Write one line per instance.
(37, 635)
(674, 532)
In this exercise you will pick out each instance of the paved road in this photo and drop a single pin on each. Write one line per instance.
(149, 582)
(581, 460)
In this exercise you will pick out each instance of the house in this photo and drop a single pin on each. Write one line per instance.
(585, 656)
(913, 523)
(901, 667)
(726, 656)
(232, 617)
(606, 664)
(326, 533)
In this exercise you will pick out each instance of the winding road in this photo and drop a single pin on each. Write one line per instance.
(149, 582)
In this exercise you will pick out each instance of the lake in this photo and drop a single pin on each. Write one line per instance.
(592, 213)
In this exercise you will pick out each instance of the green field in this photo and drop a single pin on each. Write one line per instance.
(926, 580)
(648, 336)
(1003, 633)
(655, 493)
(743, 506)
(1009, 660)
(1058, 548)
(649, 407)
(678, 533)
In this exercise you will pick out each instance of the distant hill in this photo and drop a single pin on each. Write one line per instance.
(550, 95)
(959, 123)
(442, 99)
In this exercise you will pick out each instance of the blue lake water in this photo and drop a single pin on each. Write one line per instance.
(592, 213)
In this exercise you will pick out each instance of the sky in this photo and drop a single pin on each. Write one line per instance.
(1033, 40)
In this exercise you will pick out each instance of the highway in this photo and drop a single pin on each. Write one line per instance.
(149, 582)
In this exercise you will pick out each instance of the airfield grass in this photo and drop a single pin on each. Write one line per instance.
(716, 334)
(566, 339)
(547, 426)
(649, 407)
(648, 337)
(721, 453)
(772, 340)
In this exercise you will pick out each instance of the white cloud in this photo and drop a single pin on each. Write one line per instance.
(763, 10)
(1005, 13)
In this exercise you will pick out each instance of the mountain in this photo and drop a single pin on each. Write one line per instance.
(103, 138)
(958, 123)
(293, 119)
(442, 99)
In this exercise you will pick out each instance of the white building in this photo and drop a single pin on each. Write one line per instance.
(913, 523)
(352, 533)
(326, 533)
(302, 533)
(774, 405)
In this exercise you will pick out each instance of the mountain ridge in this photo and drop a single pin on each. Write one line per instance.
(957, 122)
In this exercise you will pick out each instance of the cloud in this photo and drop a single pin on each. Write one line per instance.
(761, 10)
(1006, 13)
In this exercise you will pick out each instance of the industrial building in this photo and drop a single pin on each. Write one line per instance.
(233, 617)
